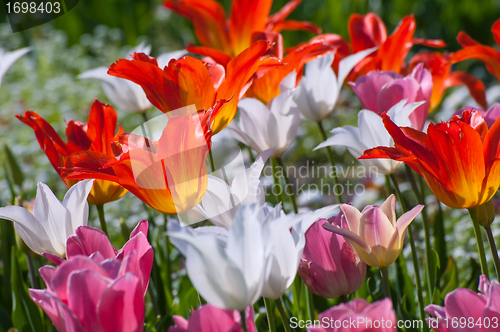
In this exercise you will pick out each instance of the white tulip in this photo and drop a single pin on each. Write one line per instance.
(228, 268)
(262, 127)
(124, 94)
(52, 221)
(319, 89)
(257, 256)
(221, 201)
(8, 58)
(372, 133)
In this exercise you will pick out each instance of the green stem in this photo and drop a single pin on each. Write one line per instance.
(284, 316)
(168, 268)
(329, 154)
(287, 185)
(270, 315)
(212, 166)
(102, 219)
(479, 240)
(243, 321)
(344, 298)
(493, 247)
(250, 153)
(296, 296)
(385, 282)
(31, 270)
(310, 304)
(144, 117)
(388, 185)
(277, 183)
(413, 253)
(431, 278)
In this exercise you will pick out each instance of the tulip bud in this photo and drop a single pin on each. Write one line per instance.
(485, 213)
(329, 265)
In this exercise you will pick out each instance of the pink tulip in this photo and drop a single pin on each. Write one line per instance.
(465, 310)
(358, 315)
(378, 91)
(329, 265)
(89, 240)
(90, 294)
(375, 234)
(489, 116)
(209, 318)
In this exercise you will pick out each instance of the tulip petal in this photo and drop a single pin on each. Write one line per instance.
(121, 306)
(75, 201)
(216, 55)
(405, 220)
(366, 31)
(348, 235)
(142, 226)
(84, 292)
(247, 16)
(60, 315)
(389, 209)
(91, 240)
(487, 54)
(30, 229)
(208, 18)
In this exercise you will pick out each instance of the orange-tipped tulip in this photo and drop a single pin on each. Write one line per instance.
(459, 159)
(170, 174)
(367, 31)
(96, 135)
(189, 81)
(473, 50)
(439, 65)
(223, 39)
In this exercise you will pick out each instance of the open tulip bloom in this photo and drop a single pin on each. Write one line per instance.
(46, 229)
(98, 288)
(123, 93)
(375, 234)
(458, 158)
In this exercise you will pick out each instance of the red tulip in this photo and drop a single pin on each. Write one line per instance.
(368, 30)
(188, 81)
(439, 65)
(224, 38)
(473, 50)
(170, 174)
(459, 159)
(96, 135)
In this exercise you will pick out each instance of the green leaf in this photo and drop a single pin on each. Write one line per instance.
(12, 168)
(26, 316)
(450, 277)
(434, 264)
(407, 317)
(473, 281)
(440, 241)
(404, 287)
